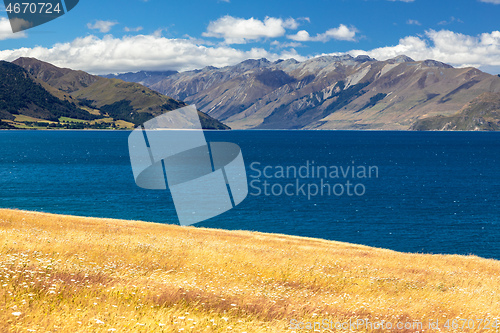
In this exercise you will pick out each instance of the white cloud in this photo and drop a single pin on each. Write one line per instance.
(301, 36)
(137, 29)
(140, 52)
(6, 30)
(102, 26)
(280, 45)
(292, 24)
(447, 46)
(341, 33)
(158, 32)
(496, 2)
(236, 30)
(155, 52)
(413, 22)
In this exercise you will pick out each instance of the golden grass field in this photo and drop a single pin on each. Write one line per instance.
(72, 274)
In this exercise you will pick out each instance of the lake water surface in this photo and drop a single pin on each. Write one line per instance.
(434, 192)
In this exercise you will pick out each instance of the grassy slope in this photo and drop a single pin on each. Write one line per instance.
(108, 91)
(71, 274)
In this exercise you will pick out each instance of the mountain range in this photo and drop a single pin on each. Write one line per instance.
(330, 92)
(36, 94)
(337, 92)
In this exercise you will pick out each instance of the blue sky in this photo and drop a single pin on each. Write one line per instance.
(118, 36)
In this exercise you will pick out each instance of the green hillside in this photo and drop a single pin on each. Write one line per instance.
(4, 125)
(20, 95)
(131, 102)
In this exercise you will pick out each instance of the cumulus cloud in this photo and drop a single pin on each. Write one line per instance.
(110, 54)
(343, 32)
(6, 30)
(496, 2)
(301, 36)
(454, 48)
(236, 30)
(140, 52)
(102, 26)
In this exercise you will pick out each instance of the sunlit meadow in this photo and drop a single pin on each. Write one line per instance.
(72, 274)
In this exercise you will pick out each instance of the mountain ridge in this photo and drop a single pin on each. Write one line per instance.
(329, 92)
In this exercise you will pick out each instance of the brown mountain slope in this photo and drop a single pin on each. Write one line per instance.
(412, 91)
(329, 92)
(64, 79)
(481, 114)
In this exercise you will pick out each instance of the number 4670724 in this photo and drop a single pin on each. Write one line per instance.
(33, 8)
(479, 324)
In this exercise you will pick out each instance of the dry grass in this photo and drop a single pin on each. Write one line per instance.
(71, 274)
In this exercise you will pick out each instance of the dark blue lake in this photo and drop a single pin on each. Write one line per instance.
(433, 192)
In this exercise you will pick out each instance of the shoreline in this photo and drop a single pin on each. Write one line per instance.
(245, 130)
(146, 223)
(294, 237)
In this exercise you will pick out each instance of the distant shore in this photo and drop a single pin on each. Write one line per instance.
(247, 130)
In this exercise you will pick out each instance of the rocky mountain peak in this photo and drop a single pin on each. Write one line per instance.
(253, 64)
(400, 59)
(364, 58)
(209, 68)
(434, 63)
(290, 61)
